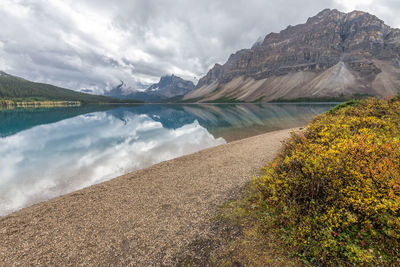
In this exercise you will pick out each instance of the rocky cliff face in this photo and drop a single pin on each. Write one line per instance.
(332, 54)
(171, 86)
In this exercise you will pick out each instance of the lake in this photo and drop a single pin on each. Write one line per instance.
(49, 152)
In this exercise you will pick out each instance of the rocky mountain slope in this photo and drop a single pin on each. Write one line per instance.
(168, 87)
(332, 55)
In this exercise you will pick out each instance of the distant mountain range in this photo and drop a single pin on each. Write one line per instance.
(169, 88)
(333, 55)
(16, 88)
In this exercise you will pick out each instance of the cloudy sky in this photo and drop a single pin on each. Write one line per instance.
(93, 44)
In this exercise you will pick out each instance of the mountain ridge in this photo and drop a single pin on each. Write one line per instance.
(169, 87)
(332, 54)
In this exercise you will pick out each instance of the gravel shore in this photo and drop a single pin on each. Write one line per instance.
(143, 218)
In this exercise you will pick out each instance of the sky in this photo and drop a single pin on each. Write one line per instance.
(95, 44)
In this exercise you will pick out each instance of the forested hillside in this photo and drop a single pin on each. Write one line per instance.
(18, 89)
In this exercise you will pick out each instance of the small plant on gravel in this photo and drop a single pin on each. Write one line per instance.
(334, 190)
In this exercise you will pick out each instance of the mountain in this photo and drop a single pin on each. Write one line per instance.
(333, 55)
(16, 88)
(258, 42)
(169, 87)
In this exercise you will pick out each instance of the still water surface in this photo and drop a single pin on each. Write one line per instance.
(49, 152)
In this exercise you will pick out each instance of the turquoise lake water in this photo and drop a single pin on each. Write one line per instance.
(49, 152)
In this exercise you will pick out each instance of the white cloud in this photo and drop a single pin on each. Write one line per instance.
(386, 10)
(353, 4)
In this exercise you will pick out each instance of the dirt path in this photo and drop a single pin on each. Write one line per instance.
(143, 218)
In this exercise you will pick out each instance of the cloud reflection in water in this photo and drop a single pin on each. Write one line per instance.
(54, 159)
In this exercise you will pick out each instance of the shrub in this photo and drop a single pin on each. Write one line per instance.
(334, 190)
(346, 104)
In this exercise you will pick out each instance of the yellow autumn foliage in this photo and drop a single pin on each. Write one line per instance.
(11, 104)
(334, 190)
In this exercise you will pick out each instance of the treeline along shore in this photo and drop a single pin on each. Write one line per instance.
(11, 104)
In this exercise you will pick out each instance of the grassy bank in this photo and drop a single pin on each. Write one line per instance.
(331, 197)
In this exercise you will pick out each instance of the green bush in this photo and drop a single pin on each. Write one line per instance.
(334, 190)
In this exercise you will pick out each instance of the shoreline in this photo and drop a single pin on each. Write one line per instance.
(142, 218)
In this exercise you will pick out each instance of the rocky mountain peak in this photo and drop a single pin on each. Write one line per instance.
(258, 42)
(359, 42)
(329, 12)
(169, 79)
(212, 75)
(171, 86)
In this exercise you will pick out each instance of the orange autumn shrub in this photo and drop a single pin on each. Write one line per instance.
(334, 190)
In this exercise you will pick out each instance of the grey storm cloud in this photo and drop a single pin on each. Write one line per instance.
(90, 44)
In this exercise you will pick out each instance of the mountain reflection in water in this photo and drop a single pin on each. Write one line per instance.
(49, 152)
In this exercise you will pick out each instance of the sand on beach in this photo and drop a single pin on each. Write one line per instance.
(143, 218)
